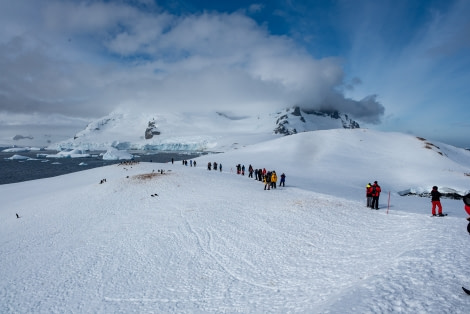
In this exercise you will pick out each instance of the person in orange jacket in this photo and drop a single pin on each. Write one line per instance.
(375, 195)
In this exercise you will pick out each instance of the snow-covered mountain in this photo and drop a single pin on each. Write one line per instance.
(296, 120)
(195, 131)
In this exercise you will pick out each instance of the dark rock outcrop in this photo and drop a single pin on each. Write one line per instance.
(151, 130)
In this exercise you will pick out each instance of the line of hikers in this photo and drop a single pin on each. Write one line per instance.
(184, 162)
(269, 178)
(209, 166)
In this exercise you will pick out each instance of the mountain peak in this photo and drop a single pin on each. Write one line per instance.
(296, 119)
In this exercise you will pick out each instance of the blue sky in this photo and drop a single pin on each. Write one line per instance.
(391, 65)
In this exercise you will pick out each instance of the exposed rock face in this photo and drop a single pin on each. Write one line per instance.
(299, 120)
(151, 130)
(21, 137)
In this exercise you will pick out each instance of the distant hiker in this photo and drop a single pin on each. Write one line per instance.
(436, 201)
(194, 163)
(243, 170)
(369, 194)
(172, 160)
(191, 163)
(267, 180)
(17, 216)
(220, 167)
(283, 180)
(273, 179)
(215, 166)
(375, 195)
(260, 175)
(250, 171)
(209, 165)
(239, 169)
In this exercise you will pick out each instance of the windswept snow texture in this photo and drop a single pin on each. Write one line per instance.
(197, 241)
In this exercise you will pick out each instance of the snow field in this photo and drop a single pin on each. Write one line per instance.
(217, 242)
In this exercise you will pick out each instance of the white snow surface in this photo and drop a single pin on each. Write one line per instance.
(197, 241)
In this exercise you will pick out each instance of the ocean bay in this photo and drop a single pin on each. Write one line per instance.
(37, 166)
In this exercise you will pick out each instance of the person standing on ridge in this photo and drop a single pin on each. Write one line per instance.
(267, 180)
(375, 195)
(436, 202)
(274, 180)
(369, 194)
(250, 171)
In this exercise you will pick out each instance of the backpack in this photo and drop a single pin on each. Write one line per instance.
(374, 189)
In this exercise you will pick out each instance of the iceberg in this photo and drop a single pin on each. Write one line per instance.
(114, 154)
(17, 157)
(73, 153)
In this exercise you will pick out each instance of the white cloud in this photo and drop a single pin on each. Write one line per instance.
(87, 58)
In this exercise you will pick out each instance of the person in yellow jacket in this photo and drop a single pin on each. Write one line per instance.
(273, 179)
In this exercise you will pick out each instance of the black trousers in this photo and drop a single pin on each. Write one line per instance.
(375, 202)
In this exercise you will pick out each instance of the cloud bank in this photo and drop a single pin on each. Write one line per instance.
(84, 59)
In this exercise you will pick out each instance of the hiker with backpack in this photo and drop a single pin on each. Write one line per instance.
(267, 180)
(375, 195)
(436, 202)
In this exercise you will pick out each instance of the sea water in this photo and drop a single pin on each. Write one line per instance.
(38, 166)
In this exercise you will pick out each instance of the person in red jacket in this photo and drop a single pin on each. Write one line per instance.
(375, 195)
(369, 194)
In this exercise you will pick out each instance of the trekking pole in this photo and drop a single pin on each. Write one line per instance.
(388, 207)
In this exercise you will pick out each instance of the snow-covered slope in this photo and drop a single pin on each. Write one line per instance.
(197, 241)
(198, 131)
(347, 159)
